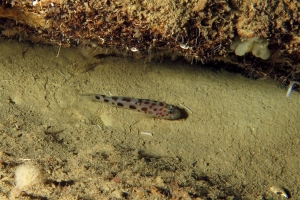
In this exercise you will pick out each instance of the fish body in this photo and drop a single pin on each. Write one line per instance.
(153, 108)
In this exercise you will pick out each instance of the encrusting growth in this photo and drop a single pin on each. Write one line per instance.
(26, 176)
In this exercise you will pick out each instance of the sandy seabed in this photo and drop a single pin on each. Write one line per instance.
(241, 136)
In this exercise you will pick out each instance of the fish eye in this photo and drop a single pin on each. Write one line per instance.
(171, 110)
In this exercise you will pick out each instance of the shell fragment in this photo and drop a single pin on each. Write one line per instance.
(279, 191)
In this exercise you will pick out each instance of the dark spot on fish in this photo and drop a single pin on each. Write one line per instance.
(126, 99)
(132, 107)
(139, 102)
(161, 109)
(155, 109)
(144, 109)
(106, 100)
(114, 98)
(146, 102)
(120, 104)
(161, 103)
(97, 97)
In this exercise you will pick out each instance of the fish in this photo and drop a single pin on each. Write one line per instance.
(155, 109)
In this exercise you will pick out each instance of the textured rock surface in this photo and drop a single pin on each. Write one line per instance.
(199, 31)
